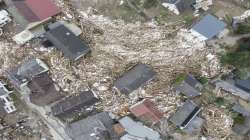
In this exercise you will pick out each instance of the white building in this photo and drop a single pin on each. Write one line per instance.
(6, 100)
(4, 18)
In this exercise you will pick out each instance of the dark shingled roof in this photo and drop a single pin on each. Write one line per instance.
(185, 114)
(209, 26)
(75, 102)
(71, 45)
(134, 78)
(243, 84)
(99, 125)
(43, 90)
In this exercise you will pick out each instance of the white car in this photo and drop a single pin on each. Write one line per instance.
(4, 18)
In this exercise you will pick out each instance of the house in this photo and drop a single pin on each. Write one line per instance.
(233, 89)
(29, 13)
(4, 18)
(43, 91)
(208, 27)
(178, 6)
(146, 110)
(97, 127)
(185, 114)
(6, 103)
(190, 87)
(65, 40)
(82, 102)
(137, 131)
(20, 75)
(136, 77)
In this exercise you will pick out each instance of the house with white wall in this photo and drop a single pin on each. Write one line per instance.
(5, 99)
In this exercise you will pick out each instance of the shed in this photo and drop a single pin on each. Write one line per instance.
(65, 40)
(99, 126)
(185, 114)
(146, 110)
(209, 26)
(75, 103)
(136, 77)
(137, 131)
(190, 87)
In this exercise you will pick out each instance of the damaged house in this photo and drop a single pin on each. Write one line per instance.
(6, 103)
(43, 91)
(32, 78)
(79, 103)
(19, 76)
(136, 77)
(190, 87)
(72, 46)
(146, 111)
(181, 6)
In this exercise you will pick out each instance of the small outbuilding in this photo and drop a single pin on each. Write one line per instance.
(208, 27)
(185, 114)
(136, 77)
(146, 111)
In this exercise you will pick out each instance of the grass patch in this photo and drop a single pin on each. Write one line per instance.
(179, 78)
(148, 3)
(220, 101)
(188, 19)
(238, 118)
(203, 80)
(243, 28)
(239, 55)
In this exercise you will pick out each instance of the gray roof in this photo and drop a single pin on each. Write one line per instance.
(209, 26)
(92, 128)
(134, 78)
(182, 5)
(32, 68)
(187, 90)
(242, 129)
(240, 109)
(185, 114)
(75, 102)
(43, 90)
(137, 130)
(190, 87)
(71, 45)
(243, 84)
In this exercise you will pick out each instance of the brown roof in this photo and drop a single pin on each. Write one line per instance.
(146, 110)
(119, 130)
(43, 90)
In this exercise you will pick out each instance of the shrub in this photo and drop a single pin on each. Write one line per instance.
(220, 101)
(179, 78)
(203, 80)
(238, 118)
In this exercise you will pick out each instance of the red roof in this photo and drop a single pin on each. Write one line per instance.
(146, 110)
(37, 10)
